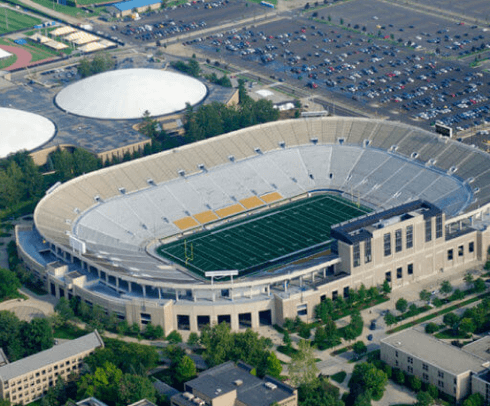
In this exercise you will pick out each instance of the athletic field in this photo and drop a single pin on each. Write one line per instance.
(272, 237)
(11, 20)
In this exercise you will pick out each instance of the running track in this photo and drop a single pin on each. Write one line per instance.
(23, 57)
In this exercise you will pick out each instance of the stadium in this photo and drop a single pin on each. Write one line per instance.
(260, 225)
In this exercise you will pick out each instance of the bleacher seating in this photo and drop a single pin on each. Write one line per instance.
(118, 210)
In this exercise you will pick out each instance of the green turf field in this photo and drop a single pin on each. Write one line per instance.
(15, 20)
(259, 240)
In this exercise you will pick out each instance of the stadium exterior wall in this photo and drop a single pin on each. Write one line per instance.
(287, 294)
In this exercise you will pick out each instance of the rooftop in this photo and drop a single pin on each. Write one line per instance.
(479, 348)
(129, 5)
(53, 355)
(361, 228)
(445, 356)
(250, 390)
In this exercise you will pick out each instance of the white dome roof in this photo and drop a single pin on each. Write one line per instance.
(21, 130)
(128, 93)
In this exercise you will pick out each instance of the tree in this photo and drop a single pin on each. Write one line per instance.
(9, 335)
(446, 288)
(185, 370)
(36, 335)
(479, 285)
(424, 399)
(431, 328)
(386, 287)
(466, 326)
(450, 319)
(302, 368)
(320, 335)
(319, 392)
(274, 366)
(362, 293)
(193, 339)
(401, 305)
(425, 295)
(359, 348)
(415, 383)
(476, 399)
(398, 376)
(174, 337)
(371, 379)
(286, 339)
(469, 279)
(9, 283)
(389, 318)
(133, 388)
(64, 310)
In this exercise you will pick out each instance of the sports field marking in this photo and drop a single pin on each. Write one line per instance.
(280, 235)
(251, 202)
(185, 223)
(229, 210)
(15, 20)
(271, 197)
(205, 217)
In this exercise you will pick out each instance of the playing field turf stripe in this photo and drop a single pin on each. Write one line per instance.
(254, 240)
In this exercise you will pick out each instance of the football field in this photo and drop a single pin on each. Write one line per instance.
(271, 237)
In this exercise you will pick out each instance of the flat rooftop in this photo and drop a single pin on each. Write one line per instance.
(250, 391)
(436, 352)
(360, 229)
(55, 354)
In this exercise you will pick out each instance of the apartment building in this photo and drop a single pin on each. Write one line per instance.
(28, 379)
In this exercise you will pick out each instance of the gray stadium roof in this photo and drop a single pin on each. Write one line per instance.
(128, 93)
(51, 356)
(23, 130)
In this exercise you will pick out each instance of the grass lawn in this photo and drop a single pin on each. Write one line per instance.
(5, 63)
(39, 51)
(72, 11)
(16, 21)
(69, 332)
(339, 376)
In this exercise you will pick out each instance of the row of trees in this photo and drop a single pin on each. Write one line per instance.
(19, 339)
(221, 345)
(101, 62)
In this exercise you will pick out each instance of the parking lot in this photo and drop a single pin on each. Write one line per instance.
(194, 16)
(380, 71)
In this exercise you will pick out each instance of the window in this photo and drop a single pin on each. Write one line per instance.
(388, 276)
(471, 247)
(449, 255)
(410, 369)
(440, 374)
(396, 363)
(396, 353)
(439, 226)
(428, 230)
(460, 251)
(398, 240)
(425, 376)
(409, 237)
(356, 255)
(399, 273)
(410, 360)
(387, 244)
(425, 367)
(410, 269)
(440, 384)
(367, 251)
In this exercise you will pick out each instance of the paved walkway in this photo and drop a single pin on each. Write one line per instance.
(23, 56)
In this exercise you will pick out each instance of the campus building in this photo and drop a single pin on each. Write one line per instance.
(454, 371)
(426, 201)
(233, 385)
(28, 379)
